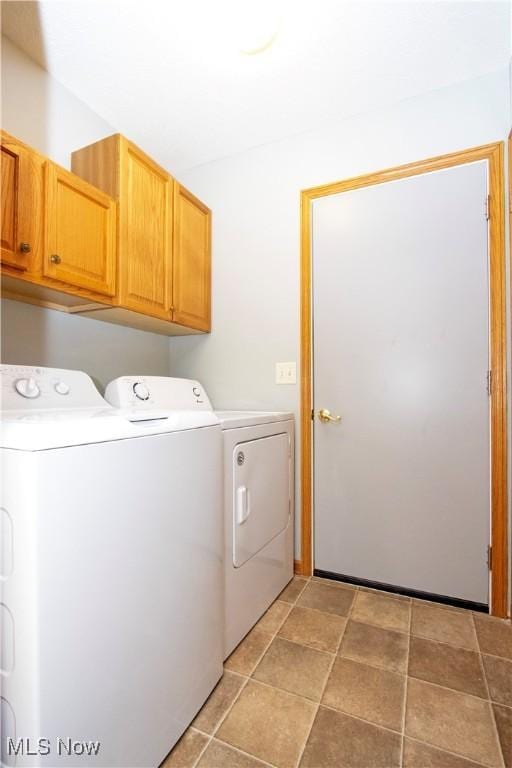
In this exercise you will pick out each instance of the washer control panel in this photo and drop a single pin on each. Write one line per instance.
(157, 392)
(26, 387)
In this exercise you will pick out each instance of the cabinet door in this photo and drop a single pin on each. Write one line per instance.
(81, 233)
(22, 205)
(192, 261)
(145, 242)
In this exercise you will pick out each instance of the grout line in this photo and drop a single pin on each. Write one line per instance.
(387, 595)
(452, 690)
(487, 616)
(482, 667)
(371, 665)
(494, 656)
(380, 626)
(305, 579)
(404, 703)
(246, 678)
(340, 616)
(274, 632)
(259, 658)
(226, 713)
(304, 645)
(246, 754)
(444, 642)
(322, 692)
(361, 719)
(442, 606)
(335, 583)
(205, 747)
(448, 751)
(228, 710)
(458, 690)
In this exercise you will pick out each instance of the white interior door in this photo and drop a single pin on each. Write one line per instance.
(401, 352)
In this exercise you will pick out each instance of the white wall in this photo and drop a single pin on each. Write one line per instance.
(255, 200)
(35, 336)
(44, 114)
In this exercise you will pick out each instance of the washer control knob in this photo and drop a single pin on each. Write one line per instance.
(140, 390)
(196, 391)
(27, 388)
(61, 388)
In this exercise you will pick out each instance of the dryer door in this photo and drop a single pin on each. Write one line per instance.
(261, 494)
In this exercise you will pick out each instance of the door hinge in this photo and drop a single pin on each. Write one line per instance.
(487, 207)
(489, 383)
(312, 415)
(489, 558)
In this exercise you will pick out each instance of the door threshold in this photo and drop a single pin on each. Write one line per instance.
(456, 602)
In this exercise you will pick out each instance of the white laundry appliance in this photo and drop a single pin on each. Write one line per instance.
(258, 493)
(111, 573)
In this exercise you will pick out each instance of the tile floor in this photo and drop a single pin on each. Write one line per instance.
(334, 676)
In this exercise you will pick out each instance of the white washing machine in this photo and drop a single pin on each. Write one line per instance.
(111, 574)
(258, 493)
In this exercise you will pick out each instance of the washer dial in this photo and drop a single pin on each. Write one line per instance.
(27, 388)
(61, 388)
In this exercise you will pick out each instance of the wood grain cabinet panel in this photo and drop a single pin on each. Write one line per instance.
(81, 233)
(144, 192)
(145, 245)
(191, 260)
(21, 204)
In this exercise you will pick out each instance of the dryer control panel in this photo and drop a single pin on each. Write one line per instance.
(157, 392)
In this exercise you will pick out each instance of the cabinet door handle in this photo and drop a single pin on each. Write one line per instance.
(55, 258)
(25, 247)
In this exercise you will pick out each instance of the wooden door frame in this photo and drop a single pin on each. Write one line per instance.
(493, 154)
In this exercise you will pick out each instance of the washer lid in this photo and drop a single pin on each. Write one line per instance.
(234, 419)
(45, 429)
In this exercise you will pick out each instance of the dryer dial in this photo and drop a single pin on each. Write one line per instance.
(140, 390)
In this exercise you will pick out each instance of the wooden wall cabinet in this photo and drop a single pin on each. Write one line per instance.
(58, 233)
(191, 260)
(22, 205)
(164, 246)
(144, 194)
(117, 239)
(80, 233)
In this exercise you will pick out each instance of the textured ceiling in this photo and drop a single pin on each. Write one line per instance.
(169, 75)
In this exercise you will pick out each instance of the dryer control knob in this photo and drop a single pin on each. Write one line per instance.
(27, 388)
(141, 391)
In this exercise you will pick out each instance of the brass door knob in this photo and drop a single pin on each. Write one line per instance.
(326, 416)
(55, 258)
(25, 247)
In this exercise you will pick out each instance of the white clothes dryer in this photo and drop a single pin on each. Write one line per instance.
(111, 574)
(258, 480)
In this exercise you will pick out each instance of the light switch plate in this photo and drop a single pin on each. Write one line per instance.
(286, 373)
